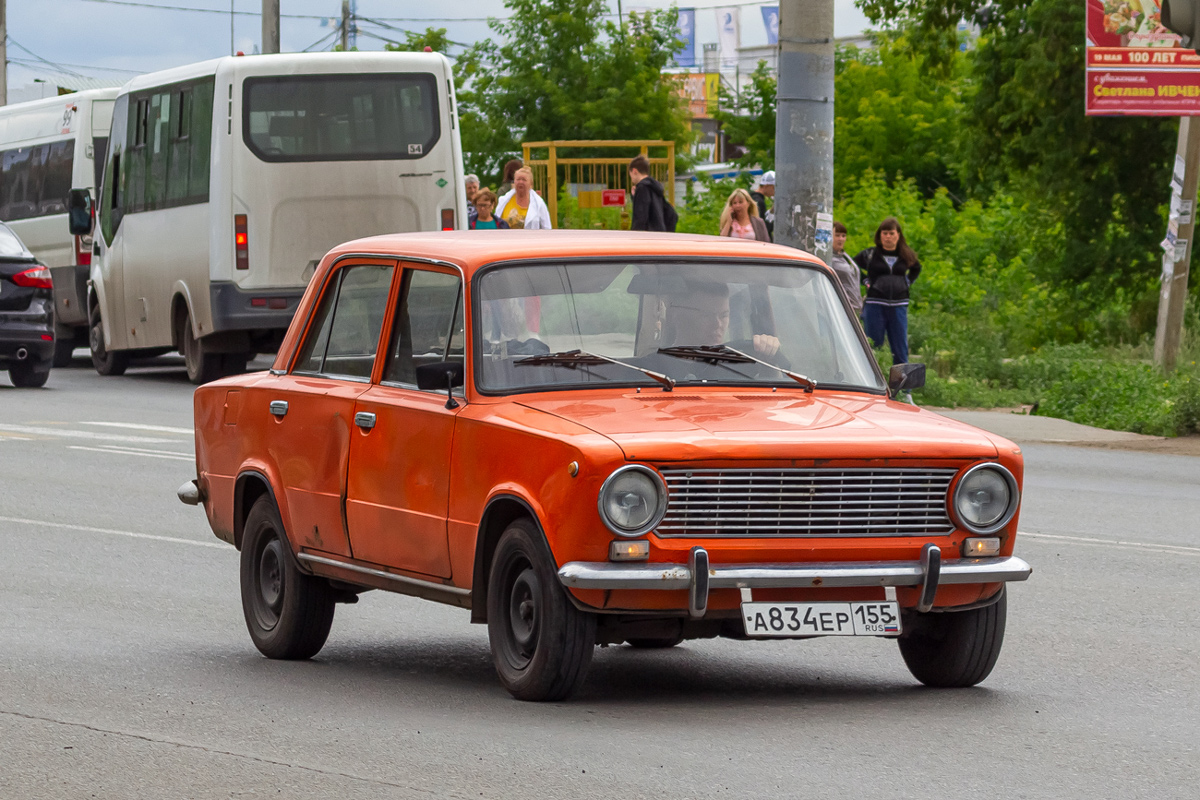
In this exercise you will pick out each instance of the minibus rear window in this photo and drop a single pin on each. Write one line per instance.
(340, 117)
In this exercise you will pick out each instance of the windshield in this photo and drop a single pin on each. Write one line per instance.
(656, 317)
(340, 117)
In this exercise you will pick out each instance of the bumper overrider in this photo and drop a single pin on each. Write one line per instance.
(698, 576)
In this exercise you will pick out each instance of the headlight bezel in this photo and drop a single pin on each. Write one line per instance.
(660, 508)
(1014, 498)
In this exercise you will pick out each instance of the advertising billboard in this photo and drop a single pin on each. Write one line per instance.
(1134, 65)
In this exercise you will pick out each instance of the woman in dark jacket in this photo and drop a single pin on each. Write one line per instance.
(890, 267)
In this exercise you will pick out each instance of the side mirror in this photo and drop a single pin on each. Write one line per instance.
(81, 212)
(905, 378)
(441, 375)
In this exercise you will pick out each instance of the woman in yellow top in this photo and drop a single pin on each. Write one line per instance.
(521, 207)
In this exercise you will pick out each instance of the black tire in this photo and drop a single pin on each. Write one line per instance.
(541, 643)
(106, 362)
(29, 375)
(64, 345)
(234, 363)
(655, 642)
(954, 648)
(288, 613)
(202, 366)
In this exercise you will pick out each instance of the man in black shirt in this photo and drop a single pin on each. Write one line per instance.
(766, 188)
(648, 197)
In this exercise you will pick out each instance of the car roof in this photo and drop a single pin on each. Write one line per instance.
(471, 250)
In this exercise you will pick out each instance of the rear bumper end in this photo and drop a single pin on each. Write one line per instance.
(698, 576)
(235, 309)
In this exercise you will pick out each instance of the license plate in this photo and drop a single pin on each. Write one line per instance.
(821, 619)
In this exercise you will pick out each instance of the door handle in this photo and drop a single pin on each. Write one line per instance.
(364, 420)
(279, 408)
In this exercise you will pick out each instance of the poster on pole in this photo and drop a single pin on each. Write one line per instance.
(729, 34)
(770, 15)
(1134, 65)
(686, 56)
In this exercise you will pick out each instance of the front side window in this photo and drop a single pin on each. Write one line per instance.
(659, 317)
(344, 335)
(428, 327)
(340, 117)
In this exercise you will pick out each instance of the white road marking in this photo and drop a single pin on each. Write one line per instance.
(139, 427)
(110, 531)
(126, 452)
(1115, 543)
(147, 450)
(67, 433)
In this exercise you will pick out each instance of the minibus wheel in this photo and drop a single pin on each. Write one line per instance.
(106, 362)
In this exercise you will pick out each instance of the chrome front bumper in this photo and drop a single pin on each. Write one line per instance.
(698, 576)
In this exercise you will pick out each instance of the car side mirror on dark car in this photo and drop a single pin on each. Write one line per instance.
(445, 375)
(905, 378)
(81, 212)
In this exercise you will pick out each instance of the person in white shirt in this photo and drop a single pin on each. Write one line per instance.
(522, 207)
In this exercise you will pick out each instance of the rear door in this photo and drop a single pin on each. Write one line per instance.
(398, 489)
(312, 408)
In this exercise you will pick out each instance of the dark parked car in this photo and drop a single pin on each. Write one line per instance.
(26, 313)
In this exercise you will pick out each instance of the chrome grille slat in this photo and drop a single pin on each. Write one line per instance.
(890, 501)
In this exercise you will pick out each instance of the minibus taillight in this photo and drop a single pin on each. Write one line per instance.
(447, 219)
(241, 242)
(83, 250)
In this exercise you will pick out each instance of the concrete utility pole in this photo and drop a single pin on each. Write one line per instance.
(345, 25)
(3, 53)
(270, 26)
(1173, 295)
(804, 127)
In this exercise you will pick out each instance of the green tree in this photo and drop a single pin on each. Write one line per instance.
(433, 38)
(556, 70)
(748, 118)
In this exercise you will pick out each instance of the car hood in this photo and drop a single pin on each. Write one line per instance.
(664, 427)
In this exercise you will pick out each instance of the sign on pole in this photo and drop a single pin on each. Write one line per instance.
(1135, 66)
(612, 197)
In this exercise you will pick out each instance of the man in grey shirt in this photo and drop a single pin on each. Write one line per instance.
(847, 271)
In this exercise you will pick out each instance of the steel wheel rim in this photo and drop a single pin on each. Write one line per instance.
(523, 613)
(269, 584)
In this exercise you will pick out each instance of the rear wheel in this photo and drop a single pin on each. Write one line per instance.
(29, 374)
(541, 643)
(954, 648)
(202, 365)
(106, 362)
(288, 613)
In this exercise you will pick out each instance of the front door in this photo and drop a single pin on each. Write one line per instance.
(311, 435)
(398, 489)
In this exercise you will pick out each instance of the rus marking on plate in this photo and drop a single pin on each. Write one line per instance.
(441, 183)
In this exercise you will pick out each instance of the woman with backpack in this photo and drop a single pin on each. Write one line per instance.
(891, 266)
(740, 219)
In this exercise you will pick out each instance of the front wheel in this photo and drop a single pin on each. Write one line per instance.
(288, 613)
(954, 648)
(106, 362)
(541, 643)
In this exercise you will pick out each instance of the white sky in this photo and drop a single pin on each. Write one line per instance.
(95, 35)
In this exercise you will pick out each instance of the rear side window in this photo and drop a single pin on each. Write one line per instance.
(344, 336)
(429, 323)
(340, 117)
(35, 180)
(168, 155)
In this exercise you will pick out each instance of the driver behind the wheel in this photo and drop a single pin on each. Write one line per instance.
(701, 317)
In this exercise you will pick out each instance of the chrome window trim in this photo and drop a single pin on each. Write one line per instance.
(659, 511)
(1014, 498)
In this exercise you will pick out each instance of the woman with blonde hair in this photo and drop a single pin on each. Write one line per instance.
(740, 220)
(521, 207)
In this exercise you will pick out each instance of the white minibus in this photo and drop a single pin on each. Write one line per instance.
(47, 147)
(227, 181)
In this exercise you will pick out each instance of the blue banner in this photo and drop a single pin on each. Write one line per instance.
(686, 57)
(771, 21)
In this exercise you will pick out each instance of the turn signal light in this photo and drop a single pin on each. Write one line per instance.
(447, 219)
(638, 550)
(34, 278)
(980, 547)
(241, 242)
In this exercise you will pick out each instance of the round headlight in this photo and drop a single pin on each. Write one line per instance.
(986, 498)
(632, 501)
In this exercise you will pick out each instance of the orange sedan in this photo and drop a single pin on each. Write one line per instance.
(597, 438)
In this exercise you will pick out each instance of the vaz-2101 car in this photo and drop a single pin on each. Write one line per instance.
(589, 438)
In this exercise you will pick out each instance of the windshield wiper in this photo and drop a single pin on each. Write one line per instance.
(722, 353)
(575, 358)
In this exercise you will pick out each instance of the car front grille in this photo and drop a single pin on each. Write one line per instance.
(806, 502)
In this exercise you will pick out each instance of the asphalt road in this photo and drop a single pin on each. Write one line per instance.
(126, 670)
